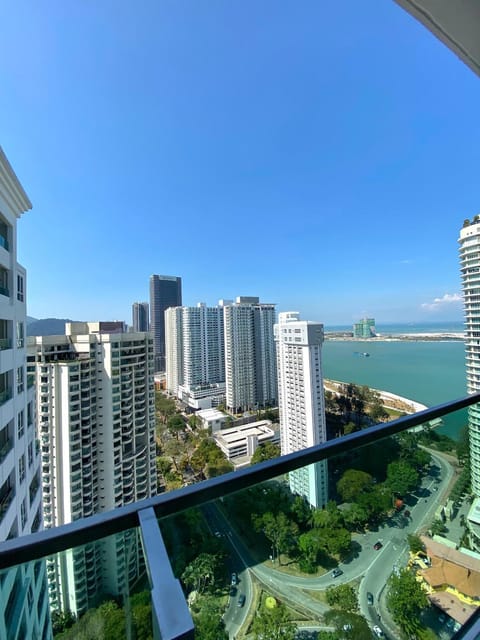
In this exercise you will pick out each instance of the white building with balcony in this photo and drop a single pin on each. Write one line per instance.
(96, 415)
(250, 365)
(24, 611)
(195, 357)
(470, 271)
(301, 400)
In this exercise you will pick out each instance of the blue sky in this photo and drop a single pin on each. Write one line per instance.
(321, 155)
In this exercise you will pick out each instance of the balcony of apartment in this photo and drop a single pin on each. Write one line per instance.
(4, 282)
(7, 494)
(6, 390)
(223, 506)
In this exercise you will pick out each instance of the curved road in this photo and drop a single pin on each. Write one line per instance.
(372, 568)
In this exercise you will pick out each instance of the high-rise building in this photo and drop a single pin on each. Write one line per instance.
(365, 328)
(24, 611)
(250, 365)
(165, 292)
(195, 360)
(301, 400)
(470, 271)
(140, 317)
(96, 408)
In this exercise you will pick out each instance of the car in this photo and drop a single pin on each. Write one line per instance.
(450, 623)
(347, 627)
(377, 631)
(241, 600)
(369, 597)
(336, 572)
(378, 545)
(234, 579)
(442, 618)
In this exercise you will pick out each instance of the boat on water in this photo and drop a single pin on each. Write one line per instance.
(362, 354)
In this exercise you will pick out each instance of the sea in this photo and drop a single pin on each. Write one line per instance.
(428, 372)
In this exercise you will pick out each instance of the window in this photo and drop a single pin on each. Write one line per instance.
(20, 288)
(30, 454)
(20, 335)
(20, 424)
(23, 513)
(21, 468)
(20, 379)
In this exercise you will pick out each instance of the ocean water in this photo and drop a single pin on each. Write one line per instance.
(428, 372)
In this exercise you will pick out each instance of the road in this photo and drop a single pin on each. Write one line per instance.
(370, 567)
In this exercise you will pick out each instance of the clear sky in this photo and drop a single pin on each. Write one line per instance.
(321, 155)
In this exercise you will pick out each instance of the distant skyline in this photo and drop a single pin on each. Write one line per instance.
(322, 156)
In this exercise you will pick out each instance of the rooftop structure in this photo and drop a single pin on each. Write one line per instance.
(241, 442)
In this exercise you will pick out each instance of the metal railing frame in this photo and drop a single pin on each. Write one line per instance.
(140, 514)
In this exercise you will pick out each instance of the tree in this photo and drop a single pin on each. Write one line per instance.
(163, 465)
(330, 516)
(405, 601)
(355, 517)
(265, 451)
(279, 530)
(194, 422)
(343, 596)
(207, 616)
(62, 620)
(377, 412)
(438, 528)
(273, 624)
(175, 425)
(200, 573)
(141, 607)
(310, 545)
(352, 483)
(415, 543)
(164, 406)
(401, 477)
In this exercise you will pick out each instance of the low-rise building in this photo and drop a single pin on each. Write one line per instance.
(241, 442)
(452, 579)
(212, 419)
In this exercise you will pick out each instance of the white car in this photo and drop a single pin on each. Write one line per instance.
(377, 631)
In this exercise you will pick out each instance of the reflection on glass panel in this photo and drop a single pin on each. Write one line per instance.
(98, 590)
(391, 553)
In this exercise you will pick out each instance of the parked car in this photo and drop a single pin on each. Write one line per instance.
(234, 579)
(378, 545)
(369, 598)
(241, 600)
(336, 572)
(377, 631)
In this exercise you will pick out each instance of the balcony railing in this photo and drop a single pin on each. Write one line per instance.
(5, 395)
(170, 613)
(5, 343)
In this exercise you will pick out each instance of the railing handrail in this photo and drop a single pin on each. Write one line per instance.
(77, 533)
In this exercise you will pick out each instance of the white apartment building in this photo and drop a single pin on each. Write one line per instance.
(301, 400)
(96, 414)
(250, 364)
(195, 361)
(470, 271)
(24, 611)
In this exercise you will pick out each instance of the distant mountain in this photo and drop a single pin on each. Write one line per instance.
(47, 327)
(30, 320)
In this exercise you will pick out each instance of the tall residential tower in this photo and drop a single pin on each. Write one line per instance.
(140, 317)
(24, 609)
(250, 365)
(301, 400)
(470, 271)
(95, 402)
(165, 292)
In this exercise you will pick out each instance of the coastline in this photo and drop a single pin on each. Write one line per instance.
(407, 337)
(389, 400)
